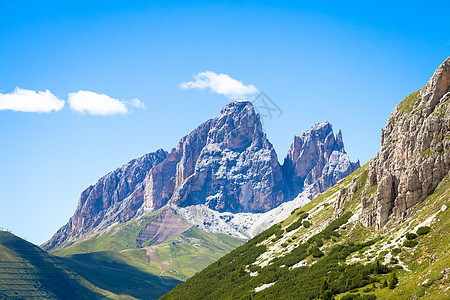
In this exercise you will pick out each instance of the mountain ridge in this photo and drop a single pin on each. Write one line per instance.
(226, 163)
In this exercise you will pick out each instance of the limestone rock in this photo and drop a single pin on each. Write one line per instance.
(237, 170)
(316, 160)
(114, 198)
(415, 150)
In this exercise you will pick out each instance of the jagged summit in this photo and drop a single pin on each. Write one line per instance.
(237, 169)
(238, 126)
(226, 164)
(316, 159)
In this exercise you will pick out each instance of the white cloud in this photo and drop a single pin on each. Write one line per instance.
(100, 104)
(221, 84)
(30, 101)
(136, 103)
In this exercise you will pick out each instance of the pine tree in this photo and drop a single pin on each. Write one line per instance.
(324, 286)
(325, 292)
(393, 280)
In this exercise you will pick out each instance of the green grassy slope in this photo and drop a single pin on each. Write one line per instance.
(179, 258)
(118, 274)
(119, 237)
(185, 254)
(28, 272)
(322, 258)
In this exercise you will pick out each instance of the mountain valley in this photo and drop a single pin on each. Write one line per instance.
(381, 233)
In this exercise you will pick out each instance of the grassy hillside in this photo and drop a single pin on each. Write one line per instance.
(118, 274)
(120, 237)
(28, 272)
(183, 255)
(320, 252)
(180, 257)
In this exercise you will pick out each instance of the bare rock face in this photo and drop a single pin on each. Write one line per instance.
(415, 151)
(166, 225)
(114, 198)
(237, 170)
(165, 178)
(316, 160)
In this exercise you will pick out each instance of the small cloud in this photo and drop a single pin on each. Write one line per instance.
(30, 101)
(136, 103)
(100, 104)
(221, 84)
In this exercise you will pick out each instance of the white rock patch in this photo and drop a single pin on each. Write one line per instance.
(263, 287)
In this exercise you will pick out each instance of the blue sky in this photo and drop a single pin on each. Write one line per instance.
(347, 63)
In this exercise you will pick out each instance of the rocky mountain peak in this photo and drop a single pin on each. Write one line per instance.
(415, 152)
(437, 86)
(237, 169)
(226, 164)
(316, 160)
(238, 126)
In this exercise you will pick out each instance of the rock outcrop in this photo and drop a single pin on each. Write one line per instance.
(414, 154)
(116, 197)
(238, 169)
(316, 160)
(162, 228)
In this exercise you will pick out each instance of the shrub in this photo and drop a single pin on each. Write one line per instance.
(379, 268)
(410, 243)
(396, 251)
(298, 222)
(301, 212)
(306, 224)
(295, 211)
(411, 236)
(350, 296)
(315, 252)
(318, 242)
(394, 260)
(327, 295)
(423, 230)
(393, 280)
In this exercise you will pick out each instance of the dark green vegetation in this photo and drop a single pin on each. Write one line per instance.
(228, 278)
(297, 223)
(411, 236)
(423, 230)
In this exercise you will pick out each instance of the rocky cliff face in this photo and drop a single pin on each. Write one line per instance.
(238, 169)
(226, 164)
(414, 154)
(114, 198)
(316, 160)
